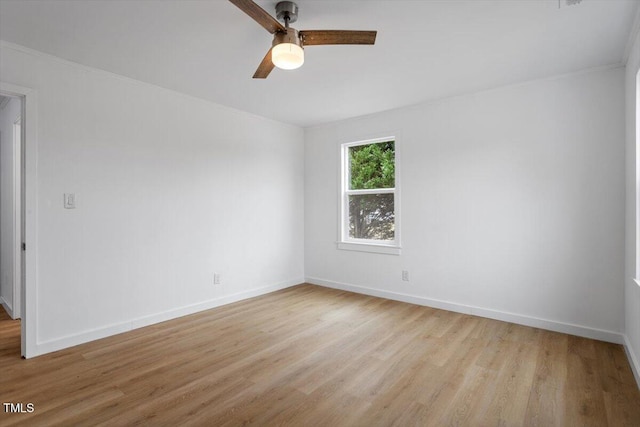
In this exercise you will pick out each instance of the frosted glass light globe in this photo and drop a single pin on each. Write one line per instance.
(287, 56)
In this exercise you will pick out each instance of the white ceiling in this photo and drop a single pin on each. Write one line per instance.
(425, 50)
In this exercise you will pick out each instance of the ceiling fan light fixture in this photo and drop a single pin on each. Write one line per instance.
(287, 56)
(287, 52)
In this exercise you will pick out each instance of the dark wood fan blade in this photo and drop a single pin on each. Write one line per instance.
(259, 15)
(320, 37)
(265, 67)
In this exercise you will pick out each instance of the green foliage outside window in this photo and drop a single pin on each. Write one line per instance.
(372, 166)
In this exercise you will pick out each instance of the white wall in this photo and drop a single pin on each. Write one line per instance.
(632, 290)
(170, 189)
(512, 204)
(8, 116)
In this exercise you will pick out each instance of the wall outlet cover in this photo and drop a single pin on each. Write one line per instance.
(70, 200)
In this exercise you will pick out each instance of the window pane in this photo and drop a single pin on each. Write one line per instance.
(372, 166)
(371, 216)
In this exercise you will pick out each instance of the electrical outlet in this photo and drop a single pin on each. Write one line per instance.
(216, 278)
(69, 200)
(405, 275)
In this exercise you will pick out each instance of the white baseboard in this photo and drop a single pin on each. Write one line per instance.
(95, 334)
(567, 328)
(7, 307)
(633, 360)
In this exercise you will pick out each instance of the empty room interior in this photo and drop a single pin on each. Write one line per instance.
(347, 213)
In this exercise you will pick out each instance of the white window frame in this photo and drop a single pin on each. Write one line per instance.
(391, 247)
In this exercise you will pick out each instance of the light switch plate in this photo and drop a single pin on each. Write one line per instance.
(69, 200)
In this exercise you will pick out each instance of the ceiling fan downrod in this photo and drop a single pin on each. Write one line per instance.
(287, 11)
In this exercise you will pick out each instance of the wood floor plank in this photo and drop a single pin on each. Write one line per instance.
(514, 380)
(315, 356)
(544, 408)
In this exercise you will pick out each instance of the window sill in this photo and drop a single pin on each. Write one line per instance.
(372, 248)
(637, 281)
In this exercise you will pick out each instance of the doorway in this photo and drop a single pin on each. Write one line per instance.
(28, 201)
(27, 198)
(11, 202)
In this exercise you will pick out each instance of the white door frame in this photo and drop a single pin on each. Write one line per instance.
(28, 221)
(17, 217)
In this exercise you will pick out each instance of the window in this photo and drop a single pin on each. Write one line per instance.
(370, 202)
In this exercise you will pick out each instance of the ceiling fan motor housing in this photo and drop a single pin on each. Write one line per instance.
(291, 36)
(286, 9)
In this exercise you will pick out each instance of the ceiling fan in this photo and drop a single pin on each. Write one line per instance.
(287, 49)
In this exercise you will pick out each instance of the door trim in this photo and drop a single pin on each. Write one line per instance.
(29, 175)
(17, 216)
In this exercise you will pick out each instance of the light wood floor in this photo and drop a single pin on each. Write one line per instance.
(310, 356)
